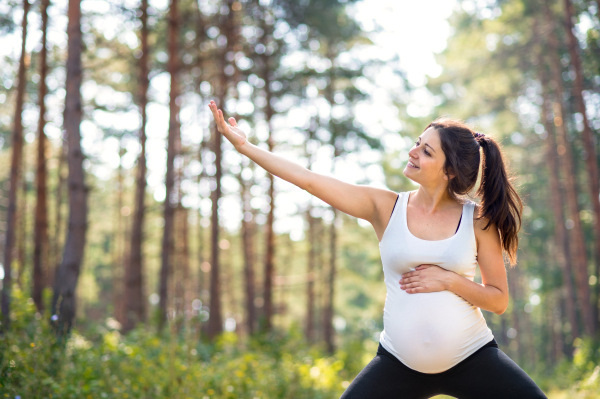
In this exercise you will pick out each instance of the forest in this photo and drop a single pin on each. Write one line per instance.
(143, 257)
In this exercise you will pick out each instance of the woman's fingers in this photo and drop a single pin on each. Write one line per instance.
(232, 121)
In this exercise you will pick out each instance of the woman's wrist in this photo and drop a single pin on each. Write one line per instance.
(450, 280)
(243, 147)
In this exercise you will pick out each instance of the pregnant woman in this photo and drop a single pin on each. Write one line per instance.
(435, 339)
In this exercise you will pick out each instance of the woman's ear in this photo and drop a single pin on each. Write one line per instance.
(449, 175)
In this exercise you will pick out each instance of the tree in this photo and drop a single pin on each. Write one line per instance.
(63, 302)
(135, 305)
(577, 242)
(40, 253)
(228, 26)
(172, 140)
(560, 231)
(15, 166)
(591, 159)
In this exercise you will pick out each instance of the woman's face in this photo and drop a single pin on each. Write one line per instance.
(426, 160)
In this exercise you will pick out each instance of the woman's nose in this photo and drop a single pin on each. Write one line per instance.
(412, 152)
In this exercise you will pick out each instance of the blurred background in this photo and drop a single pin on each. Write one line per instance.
(142, 256)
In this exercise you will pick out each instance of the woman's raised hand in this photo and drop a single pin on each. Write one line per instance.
(231, 131)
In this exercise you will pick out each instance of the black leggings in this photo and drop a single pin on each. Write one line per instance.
(486, 374)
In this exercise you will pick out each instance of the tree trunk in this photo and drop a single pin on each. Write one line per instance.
(329, 307)
(215, 321)
(135, 305)
(17, 155)
(269, 273)
(248, 227)
(310, 272)
(118, 242)
(589, 142)
(40, 252)
(58, 220)
(577, 243)
(63, 303)
(557, 201)
(200, 38)
(169, 206)
(22, 214)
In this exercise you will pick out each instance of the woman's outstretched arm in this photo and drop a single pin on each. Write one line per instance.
(369, 203)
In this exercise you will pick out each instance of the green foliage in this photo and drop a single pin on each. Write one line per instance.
(105, 364)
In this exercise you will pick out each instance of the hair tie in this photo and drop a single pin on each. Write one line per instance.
(477, 135)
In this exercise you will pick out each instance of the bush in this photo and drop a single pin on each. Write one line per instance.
(105, 364)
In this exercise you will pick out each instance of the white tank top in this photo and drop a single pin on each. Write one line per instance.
(429, 332)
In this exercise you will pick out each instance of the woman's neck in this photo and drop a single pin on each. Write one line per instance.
(432, 200)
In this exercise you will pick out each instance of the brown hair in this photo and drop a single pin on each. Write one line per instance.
(500, 202)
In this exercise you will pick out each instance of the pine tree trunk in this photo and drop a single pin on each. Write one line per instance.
(215, 321)
(269, 234)
(22, 214)
(135, 306)
(577, 243)
(200, 38)
(248, 227)
(329, 308)
(173, 135)
(58, 220)
(15, 166)
(40, 252)
(589, 142)
(556, 202)
(63, 303)
(310, 286)
(119, 242)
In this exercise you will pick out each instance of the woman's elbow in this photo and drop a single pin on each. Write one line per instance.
(503, 307)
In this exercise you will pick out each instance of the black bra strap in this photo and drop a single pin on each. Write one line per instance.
(394, 207)
(458, 224)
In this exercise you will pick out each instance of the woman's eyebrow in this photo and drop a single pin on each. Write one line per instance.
(429, 147)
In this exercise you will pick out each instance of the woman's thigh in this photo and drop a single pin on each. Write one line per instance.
(490, 374)
(385, 378)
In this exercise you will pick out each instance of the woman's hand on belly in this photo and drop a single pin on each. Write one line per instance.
(425, 278)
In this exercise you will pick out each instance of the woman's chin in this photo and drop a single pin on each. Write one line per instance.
(408, 173)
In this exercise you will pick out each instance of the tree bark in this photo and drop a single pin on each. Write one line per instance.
(269, 234)
(577, 243)
(310, 277)
(22, 213)
(589, 142)
(200, 37)
(15, 166)
(118, 243)
(557, 201)
(215, 321)
(63, 303)
(329, 307)
(248, 228)
(169, 206)
(135, 305)
(40, 252)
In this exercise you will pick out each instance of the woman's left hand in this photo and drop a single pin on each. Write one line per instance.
(425, 278)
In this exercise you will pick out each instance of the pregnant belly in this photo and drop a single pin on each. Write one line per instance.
(431, 332)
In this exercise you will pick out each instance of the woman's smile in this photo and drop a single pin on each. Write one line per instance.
(412, 165)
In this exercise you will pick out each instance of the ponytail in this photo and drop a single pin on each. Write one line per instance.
(500, 202)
